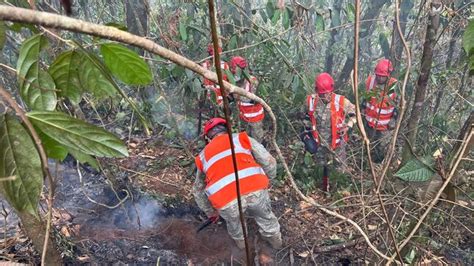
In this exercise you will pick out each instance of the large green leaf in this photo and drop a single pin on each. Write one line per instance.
(415, 170)
(37, 88)
(77, 134)
(126, 64)
(93, 80)
(286, 19)
(54, 150)
(468, 38)
(19, 157)
(84, 158)
(3, 34)
(65, 72)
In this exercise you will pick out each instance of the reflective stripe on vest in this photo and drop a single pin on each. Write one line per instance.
(228, 179)
(250, 112)
(378, 112)
(237, 147)
(337, 117)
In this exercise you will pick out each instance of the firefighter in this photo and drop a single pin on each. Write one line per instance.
(250, 111)
(213, 92)
(214, 188)
(328, 119)
(380, 108)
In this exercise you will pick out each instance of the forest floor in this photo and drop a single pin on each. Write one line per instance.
(158, 220)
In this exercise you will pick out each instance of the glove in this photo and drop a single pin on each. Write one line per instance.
(214, 217)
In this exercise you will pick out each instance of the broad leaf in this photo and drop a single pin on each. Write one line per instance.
(384, 44)
(77, 134)
(65, 72)
(468, 38)
(117, 25)
(3, 34)
(126, 64)
(415, 171)
(286, 19)
(53, 149)
(93, 80)
(182, 31)
(276, 16)
(350, 12)
(37, 88)
(319, 22)
(19, 158)
(84, 158)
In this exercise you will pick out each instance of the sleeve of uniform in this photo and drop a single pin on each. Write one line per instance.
(200, 196)
(349, 109)
(264, 158)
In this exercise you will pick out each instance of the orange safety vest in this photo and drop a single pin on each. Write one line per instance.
(379, 110)
(215, 160)
(337, 118)
(211, 86)
(250, 112)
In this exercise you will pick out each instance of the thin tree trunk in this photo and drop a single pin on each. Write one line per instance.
(35, 230)
(426, 60)
(330, 55)
(372, 12)
(396, 48)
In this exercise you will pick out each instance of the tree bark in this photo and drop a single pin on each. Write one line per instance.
(35, 230)
(396, 48)
(426, 60)
(136, 12)
(372, 12)
(330, 54)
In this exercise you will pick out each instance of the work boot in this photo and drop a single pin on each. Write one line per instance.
(240, 243)
(275, 241)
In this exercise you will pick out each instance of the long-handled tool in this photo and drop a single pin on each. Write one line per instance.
(208, 222)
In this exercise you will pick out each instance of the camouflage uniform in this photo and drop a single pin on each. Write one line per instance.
(324, 155)
(256, 204)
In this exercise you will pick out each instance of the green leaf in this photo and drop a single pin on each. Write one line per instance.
(93, 80)
(3, 34)
(286, 19)
(350, 12)
(384, 44)
(65, 72)
(182, 31)
(19, 158)
(232, 42)
(270, 8)
(319, 22)
(126, 64)
(468, 38)
(84, 158)
(53, 149)
(37, 88)
(416, 171)
(117, 25)
(276, 16)
(77, 134)
(17, 27)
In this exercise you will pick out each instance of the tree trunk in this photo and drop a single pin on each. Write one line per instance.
(426, 60)
(334, 23)
(35, 230)
(396, 48)
(136, 12)
(373, 11)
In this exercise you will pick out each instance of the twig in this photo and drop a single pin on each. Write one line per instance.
(147, 175)
(44, 161)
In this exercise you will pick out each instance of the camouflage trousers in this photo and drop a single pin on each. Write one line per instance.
(255, 205)
(336, 158)
(380, 140)
(255, 130)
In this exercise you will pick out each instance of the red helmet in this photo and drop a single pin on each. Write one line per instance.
(384, 68)
(324, 83)
(211, 123)
(210, 49)
(237, 61)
